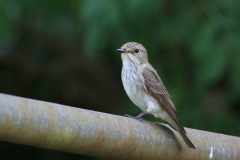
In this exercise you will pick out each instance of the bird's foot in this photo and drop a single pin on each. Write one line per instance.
(137, 118)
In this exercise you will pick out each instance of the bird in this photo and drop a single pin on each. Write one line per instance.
(146, 90)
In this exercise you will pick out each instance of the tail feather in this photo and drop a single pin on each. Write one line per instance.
(186, 139)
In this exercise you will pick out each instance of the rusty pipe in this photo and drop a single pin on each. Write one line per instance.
(58, 127)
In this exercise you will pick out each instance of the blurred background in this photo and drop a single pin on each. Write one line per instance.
(65, 52)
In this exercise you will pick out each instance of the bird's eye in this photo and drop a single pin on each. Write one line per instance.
(136, 50)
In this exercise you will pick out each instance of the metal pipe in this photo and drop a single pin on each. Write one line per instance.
(69, 129)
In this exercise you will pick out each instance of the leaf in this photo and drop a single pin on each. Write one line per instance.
(203, 41)
(235, 74)
(212, 66)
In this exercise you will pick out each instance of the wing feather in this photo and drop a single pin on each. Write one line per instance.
(154, 85)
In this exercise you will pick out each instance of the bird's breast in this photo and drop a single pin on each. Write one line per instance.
(135, 90)
(134, 87)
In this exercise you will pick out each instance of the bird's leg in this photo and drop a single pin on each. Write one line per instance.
(138, 117)
(142, 114)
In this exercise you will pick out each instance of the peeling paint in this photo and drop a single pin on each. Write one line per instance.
(211, 153)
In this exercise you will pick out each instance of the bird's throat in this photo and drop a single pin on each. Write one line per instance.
(129, 60)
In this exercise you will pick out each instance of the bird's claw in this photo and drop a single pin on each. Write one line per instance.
(137, 118)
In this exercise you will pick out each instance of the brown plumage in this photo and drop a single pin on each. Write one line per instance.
(146, 89)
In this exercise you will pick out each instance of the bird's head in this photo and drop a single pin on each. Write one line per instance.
(133, 54)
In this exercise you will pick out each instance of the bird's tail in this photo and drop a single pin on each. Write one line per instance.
(186, 139)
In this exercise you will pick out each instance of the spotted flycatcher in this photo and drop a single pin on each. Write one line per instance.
(146, 89)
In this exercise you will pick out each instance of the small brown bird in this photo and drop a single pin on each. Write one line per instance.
(146, 89)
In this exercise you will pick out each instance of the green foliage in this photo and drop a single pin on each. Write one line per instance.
(201, 35)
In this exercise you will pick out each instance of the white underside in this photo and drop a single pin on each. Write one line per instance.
(137, 93)
(139, 96)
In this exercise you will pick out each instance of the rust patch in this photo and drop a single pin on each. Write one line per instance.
(42, 136)
(8, 119)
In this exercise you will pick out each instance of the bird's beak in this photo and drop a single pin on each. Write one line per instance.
(121, 50)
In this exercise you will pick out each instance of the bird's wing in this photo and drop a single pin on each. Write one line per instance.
(154, 85)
